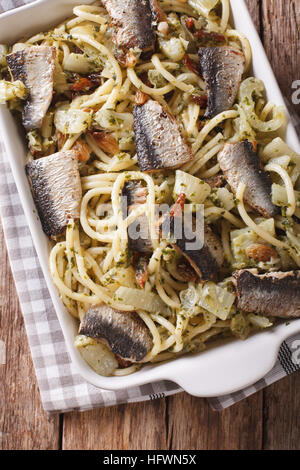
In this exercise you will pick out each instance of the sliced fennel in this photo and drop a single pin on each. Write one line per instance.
(216, 300)
(221, 197)
(60, 80)
(253, 86)
(203, 6)
(72, 121)
(278, 148)
(210, 297)
(241, 239)
(78, 63)
(12, 90)
(173, 48)
(279, 195)
(240, 326)
(242, 128)
(259, 321)
(3, 53)
(195, 189)
(97, 355)
(141, 300)
(117, 277)
(109, 119)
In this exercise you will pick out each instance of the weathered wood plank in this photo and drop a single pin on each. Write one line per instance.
(281, 26)
(254, 9)
(124, 427)
(193, 424)
(281, 414)
(24, 423)
(182, 421)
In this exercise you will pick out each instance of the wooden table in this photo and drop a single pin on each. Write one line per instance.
(268, 420)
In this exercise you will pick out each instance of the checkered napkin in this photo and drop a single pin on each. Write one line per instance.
(61, 388)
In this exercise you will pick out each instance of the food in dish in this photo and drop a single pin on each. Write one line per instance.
(262, 293)
(56, 190)
(124, 332)
(162, 110)
(34, 67)
(136, 194)
(159, 143)
(205, 261)
(134, 32)
(222, 68)
(239, 163)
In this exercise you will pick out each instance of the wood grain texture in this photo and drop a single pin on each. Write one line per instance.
(281, 414)
(269, 419)
(129, 427)
(254, 7)
(281, 37)
(193, 425)
(23, 422)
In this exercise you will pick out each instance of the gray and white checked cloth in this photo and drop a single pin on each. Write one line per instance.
(61, 388)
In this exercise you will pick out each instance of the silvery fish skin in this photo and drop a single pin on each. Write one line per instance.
(205, 261)
(158, 13)
(34, 67)
(222, 68)
(274, 294)
(56, 189)
(240, 164)
(132, 20)
(135, 194)
(208, 260)
(124, 332)
(159, 143)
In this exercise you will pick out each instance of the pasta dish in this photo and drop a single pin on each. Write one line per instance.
(142, 117)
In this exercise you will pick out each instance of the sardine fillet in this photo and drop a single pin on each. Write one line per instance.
(56, 188)
(124, 332)
(159, 143)
(133, 22)
(34, 67)
(206, 260)
(240, 164)
(273, 294)
(138, 232)
(222, 68)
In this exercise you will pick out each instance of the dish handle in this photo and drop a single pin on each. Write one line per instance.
(232, 369)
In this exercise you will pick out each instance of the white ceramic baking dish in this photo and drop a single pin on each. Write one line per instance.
(221, 369)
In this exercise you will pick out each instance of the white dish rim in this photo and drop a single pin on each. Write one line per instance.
(218, 371)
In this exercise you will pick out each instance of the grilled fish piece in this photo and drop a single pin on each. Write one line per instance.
(222, 68)
(207, 260)
(135, 193)
(158, 13)
(34, 67)
(216, 181)
(159, 143)
(240, 164)
(56, 190)
(132, 20)
(124, 332)
(138, 232)
(273, 294)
